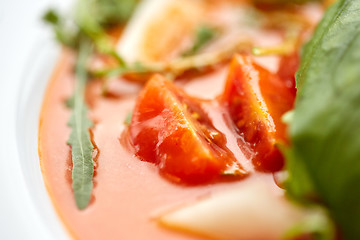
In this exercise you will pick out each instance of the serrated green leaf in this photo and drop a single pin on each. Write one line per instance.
(325, 129)
(91, 19)
(82, 148)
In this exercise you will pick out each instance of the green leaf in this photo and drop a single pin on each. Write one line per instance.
(82, 148)
(323, 161)
(70, 102)
(128, 118)
(86, 27)
(204, 34)
(51, 16)
(317, 224)
(115, 11)
(64, 34)
(90, 19)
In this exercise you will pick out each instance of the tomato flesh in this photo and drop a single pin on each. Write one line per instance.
(169, 129)
(288, 66)
(256, 100)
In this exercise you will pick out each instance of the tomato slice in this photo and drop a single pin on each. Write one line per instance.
(288, 66)
(256, 100)
(170, 129)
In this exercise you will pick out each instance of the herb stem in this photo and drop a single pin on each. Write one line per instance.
(179, 65)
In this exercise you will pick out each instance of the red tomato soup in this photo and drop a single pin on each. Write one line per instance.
(188, 139)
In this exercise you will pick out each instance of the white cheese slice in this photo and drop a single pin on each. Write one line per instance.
(252, 211)
(158, 28)
(128, 43)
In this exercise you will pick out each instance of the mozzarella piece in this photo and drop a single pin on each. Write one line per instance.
(253, 211)
(158, 29)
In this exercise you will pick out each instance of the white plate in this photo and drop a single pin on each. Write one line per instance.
(27, 57)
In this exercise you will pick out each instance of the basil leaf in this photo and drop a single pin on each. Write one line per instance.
(323, 161)
(82, 148)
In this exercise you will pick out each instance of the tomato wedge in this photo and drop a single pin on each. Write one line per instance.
(256, 100)
(288, 66)
(170, 129)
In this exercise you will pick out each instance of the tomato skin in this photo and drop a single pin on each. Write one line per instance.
(163, 132)
(288, 67)
(256, 100)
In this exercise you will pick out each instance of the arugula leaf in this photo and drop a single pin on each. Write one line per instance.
(82, 148)
(90, 19)
(51, 16)
(204, 34)
(64, 33)
(323, 161)
(86, 28)
(112, 12)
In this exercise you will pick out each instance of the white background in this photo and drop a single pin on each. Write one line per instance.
(20, 30)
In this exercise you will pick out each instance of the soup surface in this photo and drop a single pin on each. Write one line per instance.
(129, 195)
